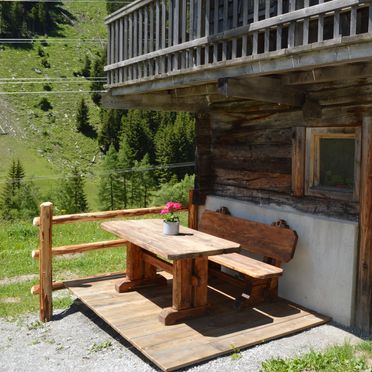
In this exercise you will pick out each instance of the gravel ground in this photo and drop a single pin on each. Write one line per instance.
(77, 340)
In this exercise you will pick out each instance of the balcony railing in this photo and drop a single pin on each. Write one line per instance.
(158, 38)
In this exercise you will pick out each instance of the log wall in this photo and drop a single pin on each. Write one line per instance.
(245, 149)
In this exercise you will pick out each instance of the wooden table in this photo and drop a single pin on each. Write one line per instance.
(189, 252)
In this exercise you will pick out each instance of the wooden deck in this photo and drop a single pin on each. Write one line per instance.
(135, 316)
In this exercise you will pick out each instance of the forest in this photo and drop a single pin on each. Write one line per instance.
(141, 153)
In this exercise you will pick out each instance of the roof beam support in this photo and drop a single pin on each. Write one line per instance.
(262, 89)
(156, 102)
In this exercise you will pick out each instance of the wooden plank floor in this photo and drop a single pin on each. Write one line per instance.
(135, 316)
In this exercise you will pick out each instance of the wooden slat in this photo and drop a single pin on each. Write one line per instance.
(235, 24)
(80, 248)
(245, 21)
(353, 21)
(225, 27)
(199, 23)
(263, 239)
(207, 28)
(336, 24)
(246, 265)
(215, 31)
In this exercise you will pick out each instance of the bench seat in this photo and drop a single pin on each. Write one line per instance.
(247, 265)
(274, 243)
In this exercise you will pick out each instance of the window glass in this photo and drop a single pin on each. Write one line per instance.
(336, 163)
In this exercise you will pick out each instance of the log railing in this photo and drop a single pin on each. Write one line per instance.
(46, 251)
(157, 37)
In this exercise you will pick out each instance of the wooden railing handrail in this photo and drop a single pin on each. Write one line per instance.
(80, 248)
(98, 216)
(292, 16)
(152, 38)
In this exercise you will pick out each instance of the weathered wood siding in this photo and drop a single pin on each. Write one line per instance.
(244, 149)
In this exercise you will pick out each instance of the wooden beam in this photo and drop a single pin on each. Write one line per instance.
(262, 89)
(157, 102)
(363, 313)
(80, 248)
(329, 74)
(298, 161)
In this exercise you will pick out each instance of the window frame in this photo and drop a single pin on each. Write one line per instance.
(312, 163)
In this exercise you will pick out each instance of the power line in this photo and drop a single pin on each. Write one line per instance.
(49, 79)
(51, 40)
(119, 171)
(52, 92)
(69, 1)
(52, 82)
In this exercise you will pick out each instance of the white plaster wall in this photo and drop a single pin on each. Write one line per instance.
(322, 274)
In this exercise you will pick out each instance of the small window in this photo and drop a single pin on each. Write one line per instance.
(332, 162)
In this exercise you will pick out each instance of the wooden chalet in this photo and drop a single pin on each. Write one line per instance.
(281, 90)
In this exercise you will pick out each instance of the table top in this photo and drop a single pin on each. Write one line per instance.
(148, 234)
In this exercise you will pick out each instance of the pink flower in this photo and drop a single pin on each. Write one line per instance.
(165, 211)
(173, 206)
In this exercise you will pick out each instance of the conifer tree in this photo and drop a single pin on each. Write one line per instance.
(97, 72)
(110, 192)
(87, 66)
(71, 197)
(82, 120)
(110, 130)
(18, 198)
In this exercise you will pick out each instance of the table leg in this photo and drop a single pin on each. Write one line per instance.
(139, 273)
(188, 299)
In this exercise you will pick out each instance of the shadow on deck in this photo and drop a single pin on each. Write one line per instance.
(134, 315)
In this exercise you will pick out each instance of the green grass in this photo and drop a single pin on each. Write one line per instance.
(47, 142)
(17, 240)
(345, 358)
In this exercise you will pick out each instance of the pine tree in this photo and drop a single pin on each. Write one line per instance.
(145, 180)
(18, 198)
(136, 137)
(82, 120)
(97, 72)
(87, 66)
(110, 192)
(110, 130)
(71, 197)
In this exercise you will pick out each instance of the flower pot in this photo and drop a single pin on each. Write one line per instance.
(171, 228)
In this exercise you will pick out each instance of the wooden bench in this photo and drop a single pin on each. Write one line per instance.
(274, 243)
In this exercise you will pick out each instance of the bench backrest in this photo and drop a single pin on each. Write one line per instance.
(259, 238)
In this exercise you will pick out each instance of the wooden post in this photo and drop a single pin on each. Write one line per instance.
(363, 311)
(45, 262)
(298, 161)
(193, 212)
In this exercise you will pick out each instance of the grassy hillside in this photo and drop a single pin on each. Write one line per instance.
(47, 142)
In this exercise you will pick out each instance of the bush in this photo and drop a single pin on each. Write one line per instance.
(47, 87)
(44, 104)
(45, 62)
(174, 191)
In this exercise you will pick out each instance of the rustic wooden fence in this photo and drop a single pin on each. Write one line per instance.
(46, 251)
(153, 37)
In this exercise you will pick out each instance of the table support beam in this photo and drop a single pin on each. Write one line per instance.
(188, 300)
(139, 273)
